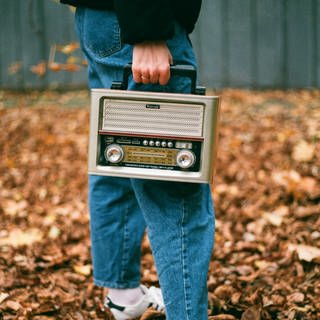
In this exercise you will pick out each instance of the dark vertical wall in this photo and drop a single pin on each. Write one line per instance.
(239, 43)
(259, 43)
(28, 30)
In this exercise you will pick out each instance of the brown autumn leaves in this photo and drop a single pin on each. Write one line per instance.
(266, 260)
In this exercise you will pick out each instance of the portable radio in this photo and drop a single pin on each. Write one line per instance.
(151, 135)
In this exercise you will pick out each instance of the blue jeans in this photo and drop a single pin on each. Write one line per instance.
(179, 216)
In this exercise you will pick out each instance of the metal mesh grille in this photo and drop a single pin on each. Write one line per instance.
(169, 119)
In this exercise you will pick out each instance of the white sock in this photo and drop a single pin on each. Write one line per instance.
(125, 296)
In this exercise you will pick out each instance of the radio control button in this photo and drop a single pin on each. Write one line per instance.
(145, 142)
(114, 153)
(185, 159)
(183, 145)
(151, 143)
(170, 144)
(158, 143)
(163, 144)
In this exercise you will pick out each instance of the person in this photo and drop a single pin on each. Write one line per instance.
(179, 217)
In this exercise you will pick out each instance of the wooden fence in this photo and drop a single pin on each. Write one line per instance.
(239, 43)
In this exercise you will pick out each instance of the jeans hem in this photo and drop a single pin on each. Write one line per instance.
(116, 285)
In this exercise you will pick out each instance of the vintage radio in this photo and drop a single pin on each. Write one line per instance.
(150, 135)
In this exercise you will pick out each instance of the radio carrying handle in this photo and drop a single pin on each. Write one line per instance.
(175, 70)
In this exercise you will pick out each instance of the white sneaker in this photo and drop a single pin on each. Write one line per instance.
(152, 298)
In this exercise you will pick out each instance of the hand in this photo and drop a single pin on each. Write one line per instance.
(151, 62)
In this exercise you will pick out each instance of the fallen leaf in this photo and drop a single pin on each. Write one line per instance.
(304, 212)
(244, 270)
(54, 232)
(315, 235)
(236, 298)
(73, 60)
(303, 151)
(274, 300)
(297, 297)
(222, 317)
(224, 292)
(13, 305)
(286, 178)
(3, 296)
(273, 218)
(18, 237)
(69, 48)
(84, 270)
(39, 69)
(263, 265)
(150, 314)
(14, 68)
(282, 211)
(310, 186)
(14, 208)
(71, 67)
(306, 253)
(55, 66)
(252, 313)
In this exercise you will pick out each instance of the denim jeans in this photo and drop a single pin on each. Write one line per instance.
(179, 216)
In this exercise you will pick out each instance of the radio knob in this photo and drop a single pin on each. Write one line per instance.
(163, 144)
(185, 159)
(170, 144)
(151, 143)
(158, 143)
(145, 142)
(114, 153)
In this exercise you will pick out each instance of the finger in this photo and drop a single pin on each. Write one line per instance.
(136, 74)
(145, 74)
(145, 78)
(164, 74)
(154, 76)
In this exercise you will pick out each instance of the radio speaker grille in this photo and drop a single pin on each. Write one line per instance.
(153, 118)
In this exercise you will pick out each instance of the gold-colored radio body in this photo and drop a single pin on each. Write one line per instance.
(150, 135)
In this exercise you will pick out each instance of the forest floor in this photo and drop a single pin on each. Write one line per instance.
(266, 261)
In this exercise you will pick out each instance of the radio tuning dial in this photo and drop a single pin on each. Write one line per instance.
(185, 159)
(114, 153)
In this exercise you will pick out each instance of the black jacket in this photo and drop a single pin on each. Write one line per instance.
(142, 20)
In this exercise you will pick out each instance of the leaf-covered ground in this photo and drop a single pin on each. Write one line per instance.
(266, 262)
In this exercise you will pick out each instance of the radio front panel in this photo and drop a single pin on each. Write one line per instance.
(148, 135)
(149, 152)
